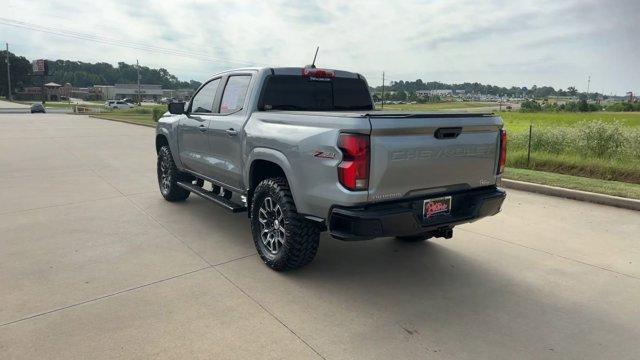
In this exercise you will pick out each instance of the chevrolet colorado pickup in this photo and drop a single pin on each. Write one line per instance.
(303, 151)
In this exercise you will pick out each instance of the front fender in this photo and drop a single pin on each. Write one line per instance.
(168, 127)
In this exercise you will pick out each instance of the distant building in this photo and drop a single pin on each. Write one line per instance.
(440, 92)
(57, 92)
(147, 92)
(52, 92)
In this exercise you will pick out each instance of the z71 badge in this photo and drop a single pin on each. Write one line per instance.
(324, 154)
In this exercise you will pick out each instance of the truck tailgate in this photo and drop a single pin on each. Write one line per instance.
(421, 154)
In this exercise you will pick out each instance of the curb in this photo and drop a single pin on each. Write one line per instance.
(602, 199)
(118, 120)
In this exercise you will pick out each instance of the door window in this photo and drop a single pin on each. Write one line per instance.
(234, 94)
(203, 101)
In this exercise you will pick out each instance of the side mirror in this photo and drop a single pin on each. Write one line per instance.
(176, 108)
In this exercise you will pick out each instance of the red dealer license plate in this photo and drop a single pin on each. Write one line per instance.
(437, 206)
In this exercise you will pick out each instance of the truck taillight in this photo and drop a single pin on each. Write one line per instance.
(502, 160)
(318, 73)
(353, 171)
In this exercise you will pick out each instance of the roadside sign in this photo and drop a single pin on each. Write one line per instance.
(39, 67)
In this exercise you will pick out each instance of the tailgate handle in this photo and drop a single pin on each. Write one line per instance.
(448, 133)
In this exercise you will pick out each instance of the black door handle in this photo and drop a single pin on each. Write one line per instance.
(447, 133)
(231, 132)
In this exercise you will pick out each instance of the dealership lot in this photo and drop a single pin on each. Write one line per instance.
(95, 264)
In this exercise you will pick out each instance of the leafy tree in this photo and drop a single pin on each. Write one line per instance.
(20, 73)
(572, 91)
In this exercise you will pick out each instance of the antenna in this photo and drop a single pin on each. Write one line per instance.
(313, 64)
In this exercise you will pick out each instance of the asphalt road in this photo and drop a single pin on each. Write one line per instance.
(95, 264)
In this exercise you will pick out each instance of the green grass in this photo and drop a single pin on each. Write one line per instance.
(519, 122)
(570, 164)
(614, 188)
(138, 119)
(454, 105)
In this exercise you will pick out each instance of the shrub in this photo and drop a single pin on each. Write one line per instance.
(600, 139)
(631, 147)
(551, 107)
(530, 106)
(623, 106)
(157, 113)
(549, 140)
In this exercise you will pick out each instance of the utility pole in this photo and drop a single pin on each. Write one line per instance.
(382, 90)
(138, 67)
(588, 85)
(8, 76)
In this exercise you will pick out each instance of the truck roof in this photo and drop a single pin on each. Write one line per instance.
(290, 71)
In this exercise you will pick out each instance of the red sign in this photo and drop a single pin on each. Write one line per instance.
(39, 66)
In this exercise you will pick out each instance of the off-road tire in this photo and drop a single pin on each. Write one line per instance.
(172, 192)
(302, 236)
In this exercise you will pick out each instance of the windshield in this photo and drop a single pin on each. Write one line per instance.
(290, 92)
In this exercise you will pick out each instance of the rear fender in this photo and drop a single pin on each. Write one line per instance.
(275, 157)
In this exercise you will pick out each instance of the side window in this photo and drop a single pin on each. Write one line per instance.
(234, 93)
(203, 101)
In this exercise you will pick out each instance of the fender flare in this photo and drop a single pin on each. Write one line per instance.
(169, 131)
(276, 157)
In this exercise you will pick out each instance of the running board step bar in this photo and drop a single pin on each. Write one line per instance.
(225, 203)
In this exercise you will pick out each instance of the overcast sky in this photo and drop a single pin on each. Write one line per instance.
(521, 43)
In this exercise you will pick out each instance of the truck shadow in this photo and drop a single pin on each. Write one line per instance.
(466, 297)
(435, 293)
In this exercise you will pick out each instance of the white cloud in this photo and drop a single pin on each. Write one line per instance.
(499, 42)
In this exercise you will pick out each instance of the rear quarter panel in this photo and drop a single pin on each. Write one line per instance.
(313, 179)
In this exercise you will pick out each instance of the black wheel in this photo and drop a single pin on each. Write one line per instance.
(413, 238)
(220, 191)
(169, 175)
(284, 240)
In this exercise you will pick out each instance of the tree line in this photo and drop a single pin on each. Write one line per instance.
(83, 74)
(535, 91)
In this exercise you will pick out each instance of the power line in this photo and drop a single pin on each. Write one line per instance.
(120, 43)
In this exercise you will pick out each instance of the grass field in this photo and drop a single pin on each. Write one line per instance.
(615, 188)
(602, 145)
(519, 122)
(139, 119)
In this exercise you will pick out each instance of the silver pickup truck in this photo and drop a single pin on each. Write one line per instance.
(303, 151)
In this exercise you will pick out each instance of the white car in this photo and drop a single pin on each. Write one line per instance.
(119, 105)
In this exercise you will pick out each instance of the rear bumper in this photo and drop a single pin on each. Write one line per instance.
(402, 218)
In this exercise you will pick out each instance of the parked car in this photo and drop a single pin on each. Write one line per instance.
(120, 104)
(108, 103)
(38, 108)
(304, 151)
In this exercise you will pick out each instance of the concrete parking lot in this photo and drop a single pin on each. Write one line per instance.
(95, 264)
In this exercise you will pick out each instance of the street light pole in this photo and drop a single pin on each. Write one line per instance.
(138, 67)
(9, 96)
(382, 90)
